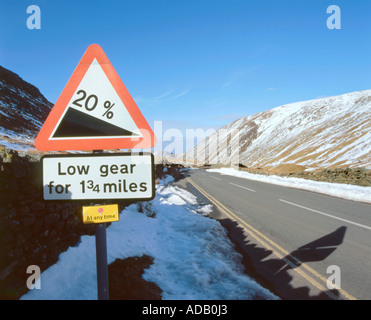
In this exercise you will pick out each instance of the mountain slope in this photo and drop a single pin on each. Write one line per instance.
(322, 133)
(23, 109)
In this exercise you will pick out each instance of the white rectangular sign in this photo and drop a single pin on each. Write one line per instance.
(99, 176)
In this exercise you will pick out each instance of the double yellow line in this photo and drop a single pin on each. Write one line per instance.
(297, 266)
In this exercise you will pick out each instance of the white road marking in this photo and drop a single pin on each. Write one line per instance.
(237, 185)
(327, 215)
(215, 178)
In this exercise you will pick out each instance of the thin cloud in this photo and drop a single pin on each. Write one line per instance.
(167, 96)
(183, 93)
(234, 77)
(237, 76)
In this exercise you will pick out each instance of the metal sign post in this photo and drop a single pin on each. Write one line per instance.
(101, 256)
(102, 268)
(100, 214)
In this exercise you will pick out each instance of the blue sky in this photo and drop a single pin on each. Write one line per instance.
(196, 64)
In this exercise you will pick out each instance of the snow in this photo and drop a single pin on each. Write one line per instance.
(14, 146)
(193, 257)
(345, 191)
(320, 133)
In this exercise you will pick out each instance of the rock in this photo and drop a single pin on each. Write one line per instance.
(38, 207)
(8, 237)
(28, 220)
(126, 282)
(51, 219)
(7, 271)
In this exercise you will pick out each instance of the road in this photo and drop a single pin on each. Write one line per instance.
(295, 242)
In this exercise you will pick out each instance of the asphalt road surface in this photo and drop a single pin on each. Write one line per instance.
(299, 244)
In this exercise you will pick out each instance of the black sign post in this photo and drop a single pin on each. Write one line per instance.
(101, 256)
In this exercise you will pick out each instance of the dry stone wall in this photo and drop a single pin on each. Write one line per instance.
(34, 231)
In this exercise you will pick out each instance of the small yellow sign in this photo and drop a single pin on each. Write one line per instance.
(99, 214)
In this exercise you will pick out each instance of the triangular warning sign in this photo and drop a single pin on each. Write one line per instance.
(95, 111)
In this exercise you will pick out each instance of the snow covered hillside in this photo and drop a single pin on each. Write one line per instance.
(193, 257)
(23, 110)
(322, 133)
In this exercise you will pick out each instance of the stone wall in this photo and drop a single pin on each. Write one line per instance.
(32, 231)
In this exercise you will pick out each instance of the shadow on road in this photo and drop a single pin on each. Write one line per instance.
(274, 273)
(319, 249)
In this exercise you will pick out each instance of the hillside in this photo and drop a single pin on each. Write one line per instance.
(23, 110)
(332, 132)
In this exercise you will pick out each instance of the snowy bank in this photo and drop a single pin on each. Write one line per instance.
(345, 191)
(193, 258)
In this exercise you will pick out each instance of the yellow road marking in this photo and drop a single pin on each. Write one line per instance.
(270, 245)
